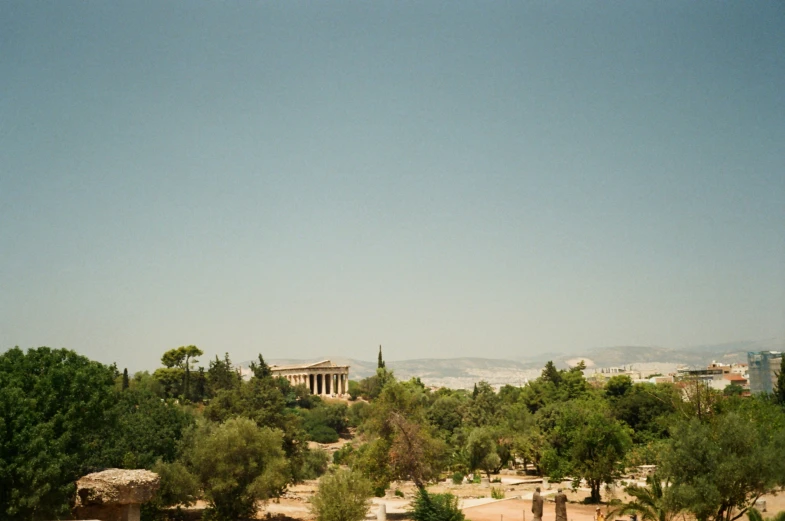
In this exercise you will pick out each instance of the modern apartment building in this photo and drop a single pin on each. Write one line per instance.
(763, 369)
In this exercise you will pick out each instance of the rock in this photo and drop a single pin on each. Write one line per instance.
(115, 494)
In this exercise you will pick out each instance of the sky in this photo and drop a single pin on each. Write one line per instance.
(305, 179)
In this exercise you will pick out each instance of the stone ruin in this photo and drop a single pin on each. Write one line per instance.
(114, 494)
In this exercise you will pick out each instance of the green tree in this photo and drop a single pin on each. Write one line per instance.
(325, 421)
(445, 414)
(598, 447)
(357, 413)
(126, 382)
(481, 451)
(403, 444)
(380, 362)
(177, 363)
(343, 495)
(179, 487)
(258, 399)
(170, 380)
(238, 464)
(779, 389)
(261, 370)
(436, 507)
(649, 501)
(199, 390)
(144, 430)
(582, 439)
(617, 386)
(221, 375)
(484, 407)
(551, 374)
(52, 421)
(143, 380)
(646, 408)
(719, 466)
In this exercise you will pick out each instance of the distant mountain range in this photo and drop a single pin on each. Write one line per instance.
(729, 352)
(464, 372)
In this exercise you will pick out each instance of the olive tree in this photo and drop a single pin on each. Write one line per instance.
(237, 464)
(720, 466)
(343, 495)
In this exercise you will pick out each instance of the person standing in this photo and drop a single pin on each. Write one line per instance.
(537, 505)
(561, 506)
(598, 515)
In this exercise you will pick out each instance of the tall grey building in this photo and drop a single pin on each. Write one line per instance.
(763, 369)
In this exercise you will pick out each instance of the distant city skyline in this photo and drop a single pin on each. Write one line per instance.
(446, 179)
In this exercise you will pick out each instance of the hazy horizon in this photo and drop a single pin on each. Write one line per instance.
(496, 180)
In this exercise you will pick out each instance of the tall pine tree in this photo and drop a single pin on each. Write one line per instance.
(380, 363)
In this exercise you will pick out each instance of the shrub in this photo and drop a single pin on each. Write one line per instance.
(343, 495)
(323, 423)
(344, 455)
(457, 478)
(357, 413)
(398, 492)
(497, 492)
(323, 434)
(354, 389)
(315, 463)
(435, 507)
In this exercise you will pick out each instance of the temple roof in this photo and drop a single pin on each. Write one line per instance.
(316, 365)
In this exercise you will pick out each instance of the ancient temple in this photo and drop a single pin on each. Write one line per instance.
(322, 378)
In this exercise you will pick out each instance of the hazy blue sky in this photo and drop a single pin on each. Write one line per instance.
(495, 179)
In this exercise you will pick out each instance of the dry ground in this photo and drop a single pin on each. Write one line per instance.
(475, 500)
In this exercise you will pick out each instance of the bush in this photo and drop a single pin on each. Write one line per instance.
(398, 492)
(315, 463)
(435, 507)
(323, 434)
(179, 487)
(343, 495)
(324, 422)
(344, 455)
(358, 412)
(457, 478)
(497, 492)
(354, 389)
